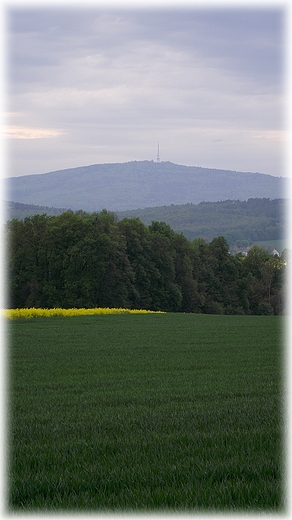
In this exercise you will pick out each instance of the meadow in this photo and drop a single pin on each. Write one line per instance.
(146, 412)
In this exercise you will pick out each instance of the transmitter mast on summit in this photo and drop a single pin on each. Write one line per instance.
(158, 158)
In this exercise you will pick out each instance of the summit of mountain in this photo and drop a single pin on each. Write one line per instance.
(139, 184)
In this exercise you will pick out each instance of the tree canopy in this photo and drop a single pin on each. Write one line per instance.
(80, 259)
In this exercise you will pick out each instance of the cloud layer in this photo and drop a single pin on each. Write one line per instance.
(102, 85)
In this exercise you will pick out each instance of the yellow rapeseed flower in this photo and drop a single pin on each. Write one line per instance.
(47, 313)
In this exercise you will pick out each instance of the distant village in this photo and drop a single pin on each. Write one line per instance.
(234, 250)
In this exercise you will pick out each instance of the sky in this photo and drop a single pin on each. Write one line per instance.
(105, 83)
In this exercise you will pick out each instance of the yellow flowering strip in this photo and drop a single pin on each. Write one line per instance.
(33, 312)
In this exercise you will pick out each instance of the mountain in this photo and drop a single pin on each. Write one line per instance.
(139, 184)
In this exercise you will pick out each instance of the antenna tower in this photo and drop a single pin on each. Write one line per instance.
(158, 158)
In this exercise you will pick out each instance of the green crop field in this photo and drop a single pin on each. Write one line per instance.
(166, 412)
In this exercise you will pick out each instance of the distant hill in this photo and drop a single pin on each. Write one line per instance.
(242, 223)
(19, 210)
(139, 184)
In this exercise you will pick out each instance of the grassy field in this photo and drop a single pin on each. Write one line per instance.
(170, 412)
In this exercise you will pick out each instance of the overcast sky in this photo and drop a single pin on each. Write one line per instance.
(104, 85)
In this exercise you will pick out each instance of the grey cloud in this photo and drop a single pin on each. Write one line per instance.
(247, 42)
(107, 77)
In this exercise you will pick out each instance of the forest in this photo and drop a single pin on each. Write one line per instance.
(80, 259)
(241, 222)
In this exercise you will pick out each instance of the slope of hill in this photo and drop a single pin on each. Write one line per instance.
(242, 223)
(19, 210)
(139, 184)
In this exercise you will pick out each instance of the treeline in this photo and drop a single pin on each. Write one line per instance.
(80, 259)
(242, 223)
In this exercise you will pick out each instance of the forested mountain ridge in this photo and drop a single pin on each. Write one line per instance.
(242, 223)
(19, 211)
(139, 184)
(92, 260)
